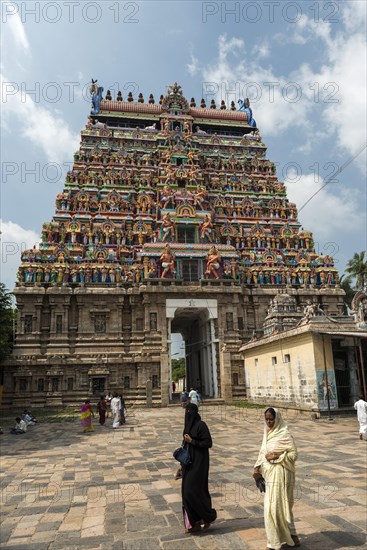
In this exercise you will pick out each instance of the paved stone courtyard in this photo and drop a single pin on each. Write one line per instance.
(115, 489)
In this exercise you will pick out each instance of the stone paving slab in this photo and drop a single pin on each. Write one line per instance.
(61, 489)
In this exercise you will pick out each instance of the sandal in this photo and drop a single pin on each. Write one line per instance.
(195, 529)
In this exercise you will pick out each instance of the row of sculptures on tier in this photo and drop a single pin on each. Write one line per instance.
(145, 204)
(120, 170)
(124, 150)
(102, 255)
(226, 160)
(165, 268)
(146, 200)
(165, 231)
(149, 180)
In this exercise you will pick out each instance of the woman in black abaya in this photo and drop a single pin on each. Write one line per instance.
(196, 502)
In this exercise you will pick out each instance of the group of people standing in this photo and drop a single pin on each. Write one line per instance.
(193, 396)
(275, 467)
(115, 404)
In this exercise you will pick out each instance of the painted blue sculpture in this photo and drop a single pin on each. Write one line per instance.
(96, 93)
(245, 106)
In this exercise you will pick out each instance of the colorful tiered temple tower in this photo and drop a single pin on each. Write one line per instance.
(171, 220)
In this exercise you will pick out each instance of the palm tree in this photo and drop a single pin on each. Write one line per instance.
(357, 267)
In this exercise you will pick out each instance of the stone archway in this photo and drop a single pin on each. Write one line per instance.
(194, 319)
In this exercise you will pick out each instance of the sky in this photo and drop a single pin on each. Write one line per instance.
(302, 64)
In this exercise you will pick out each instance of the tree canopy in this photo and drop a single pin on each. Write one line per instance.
(178, 369)
(7, 314)
(357, 269)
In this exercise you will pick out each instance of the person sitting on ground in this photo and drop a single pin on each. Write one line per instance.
(28, 419)
(20, 426)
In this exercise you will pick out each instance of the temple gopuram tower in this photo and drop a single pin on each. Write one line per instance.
(172, 220)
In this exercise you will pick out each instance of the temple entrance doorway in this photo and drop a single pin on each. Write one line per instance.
(98, 386)
(196, 321)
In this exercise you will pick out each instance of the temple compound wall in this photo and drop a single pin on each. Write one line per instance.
(80, 342)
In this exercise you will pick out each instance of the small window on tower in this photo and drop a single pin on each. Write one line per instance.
(229, 318)
(100, 323)
(58, 324)
(28, 323)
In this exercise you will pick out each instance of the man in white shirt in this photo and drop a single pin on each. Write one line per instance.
(20, 426)
(361, 408)
(116, 410)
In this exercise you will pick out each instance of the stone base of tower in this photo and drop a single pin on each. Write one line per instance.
(78, 343)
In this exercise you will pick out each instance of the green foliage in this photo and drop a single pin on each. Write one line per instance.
(349, 291)
(7, 316)
(246, 405)
(178, 369)
(357, 269)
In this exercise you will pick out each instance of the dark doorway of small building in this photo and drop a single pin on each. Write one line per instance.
(342, 376)
(98, 386)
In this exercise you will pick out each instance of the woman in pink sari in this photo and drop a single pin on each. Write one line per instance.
(86, 416)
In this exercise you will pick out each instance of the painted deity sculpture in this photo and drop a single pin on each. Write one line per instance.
(245, 106)
(213, 263)
(168, 262)
(168, 227)
(96, 92)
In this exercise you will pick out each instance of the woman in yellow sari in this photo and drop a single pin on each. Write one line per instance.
(276, 463)
(86, 416)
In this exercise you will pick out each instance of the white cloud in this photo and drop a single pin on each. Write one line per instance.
(14, 239)
(336, 209)
(193, 67)
(261, 50)
(354, 15)
(16, 26)
(45, 130)
(331, 96)
(272, 109)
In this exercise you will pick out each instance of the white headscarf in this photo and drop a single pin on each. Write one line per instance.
(276, 439)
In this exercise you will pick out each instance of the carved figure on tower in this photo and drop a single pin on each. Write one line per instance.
(245, 106)
(96, 93)
(167, 197)
(199, 196)
(206, 229)
(168, 227)
(168, 262)
(213, 263)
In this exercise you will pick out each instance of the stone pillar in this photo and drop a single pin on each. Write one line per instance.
(213, 355)
(149, 393)
(225, 374)
(165, 378)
